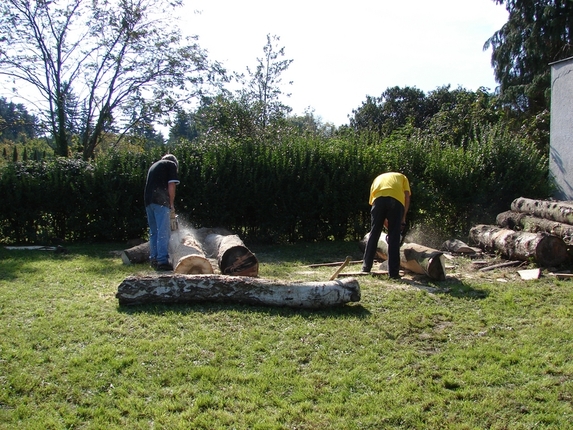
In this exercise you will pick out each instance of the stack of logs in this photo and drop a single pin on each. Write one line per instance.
(533, 230)
(190, 251)
(194, 280)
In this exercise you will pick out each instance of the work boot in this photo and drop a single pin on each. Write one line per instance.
(164, 267)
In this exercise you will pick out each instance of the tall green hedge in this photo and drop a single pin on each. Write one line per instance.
(292, 189)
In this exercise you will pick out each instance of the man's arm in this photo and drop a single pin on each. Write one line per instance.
(171, 190)
(406, 204)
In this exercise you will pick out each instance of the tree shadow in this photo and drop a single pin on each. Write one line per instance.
(342, 311)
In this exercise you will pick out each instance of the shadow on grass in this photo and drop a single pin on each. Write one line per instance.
(451, 286)
(339, 311)
(13, 262)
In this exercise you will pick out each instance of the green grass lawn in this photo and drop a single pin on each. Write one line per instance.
(466, 353)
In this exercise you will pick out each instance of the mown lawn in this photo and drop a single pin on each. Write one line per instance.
(466, 353)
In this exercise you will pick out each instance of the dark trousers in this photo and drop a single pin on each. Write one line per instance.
(391, 209)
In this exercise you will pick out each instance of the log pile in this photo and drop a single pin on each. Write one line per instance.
(190, 251)
(533, 230)
(194, 280)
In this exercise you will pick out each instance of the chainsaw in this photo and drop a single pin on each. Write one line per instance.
(403, 231)
(174, 220)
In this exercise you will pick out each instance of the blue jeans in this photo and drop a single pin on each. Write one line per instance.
(392, 210)
(159, 232)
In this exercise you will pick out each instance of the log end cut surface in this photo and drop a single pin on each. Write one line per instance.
(239, 261)
(193, 265)
(551, 251)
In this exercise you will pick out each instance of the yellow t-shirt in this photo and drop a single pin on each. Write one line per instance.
(390, 184)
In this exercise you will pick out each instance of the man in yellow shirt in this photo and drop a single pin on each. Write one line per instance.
(390, 200)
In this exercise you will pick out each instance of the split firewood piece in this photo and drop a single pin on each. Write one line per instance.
(544, 249)
(559, 275)
(187, 256)
(342, 266)
(457, 246)
(529, 274)
(533, 224)
(414, 257)
(560, 211)
(236, 289)
(333, 264)
(501, 265)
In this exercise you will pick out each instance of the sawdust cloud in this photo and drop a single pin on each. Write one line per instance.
(427, 236)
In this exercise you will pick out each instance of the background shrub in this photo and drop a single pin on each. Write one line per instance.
(291, 189)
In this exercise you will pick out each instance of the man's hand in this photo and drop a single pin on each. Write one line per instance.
(173, 220)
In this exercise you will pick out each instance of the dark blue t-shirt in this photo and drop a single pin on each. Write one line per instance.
(159, 175)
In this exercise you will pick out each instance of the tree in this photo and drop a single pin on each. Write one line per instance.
(227, 115)
(183, 127)
(395, 108)
(15, 122)
(262, 90)
(311, 124)
(95, 62)
(453, 116)
(537, 33)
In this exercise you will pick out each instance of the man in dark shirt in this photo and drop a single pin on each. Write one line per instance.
(159, 199)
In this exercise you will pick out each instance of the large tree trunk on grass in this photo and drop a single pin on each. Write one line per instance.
(544, 249)
(414, 257)
(236, 289)
(136, 255)
(233, 257)
(186, 255)
(522, 221)
(559, 211)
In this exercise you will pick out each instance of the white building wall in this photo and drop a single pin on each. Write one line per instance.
(561, 128)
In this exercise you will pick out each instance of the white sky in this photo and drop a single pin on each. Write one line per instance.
(344, 51)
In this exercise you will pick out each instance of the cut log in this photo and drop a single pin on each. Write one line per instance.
(459, 247)
(136, 255)
(414, 257)
(560, 211)
(236, 289)
(233, 257)
(532, 224)
(544, 249)
(187, 256)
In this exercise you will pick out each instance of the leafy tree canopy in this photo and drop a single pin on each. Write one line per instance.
(449, 115)
(537, 33)
(16, 123)
(100, 66)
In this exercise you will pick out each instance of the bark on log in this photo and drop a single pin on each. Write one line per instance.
(560, 211)
(135, 255)
(544, 249)
(532, 224)
(186, 255)
(233, 257)
(236, 289)
(414, 257)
